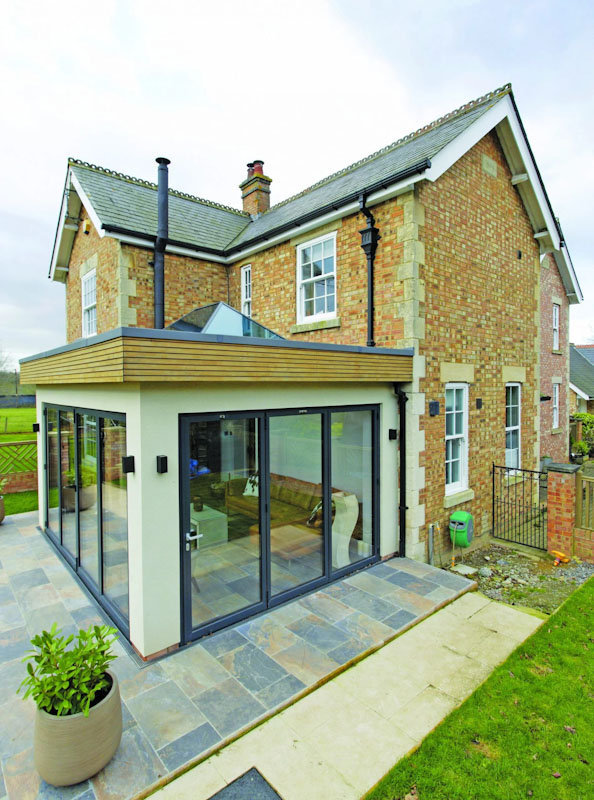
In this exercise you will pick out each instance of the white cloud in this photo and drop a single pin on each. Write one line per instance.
(307, 86)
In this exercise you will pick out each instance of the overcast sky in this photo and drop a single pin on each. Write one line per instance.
(309, 86)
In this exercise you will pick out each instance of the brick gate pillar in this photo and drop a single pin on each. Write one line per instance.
(561, 496)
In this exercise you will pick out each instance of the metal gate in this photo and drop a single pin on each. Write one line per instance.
(520, 506)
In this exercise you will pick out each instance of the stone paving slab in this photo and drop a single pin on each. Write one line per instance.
(193, 702)
(341, 739)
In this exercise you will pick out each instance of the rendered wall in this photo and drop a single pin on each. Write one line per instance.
(152, 427)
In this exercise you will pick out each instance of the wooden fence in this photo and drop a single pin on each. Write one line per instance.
(18, 464)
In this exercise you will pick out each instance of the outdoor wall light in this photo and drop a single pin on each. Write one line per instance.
(127, 464)
(161, 464)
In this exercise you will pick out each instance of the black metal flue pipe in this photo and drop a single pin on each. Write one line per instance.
(161, 241)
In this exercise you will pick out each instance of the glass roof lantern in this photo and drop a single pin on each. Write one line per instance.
(220, 319)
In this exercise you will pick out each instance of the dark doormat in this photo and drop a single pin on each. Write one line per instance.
(250, 786)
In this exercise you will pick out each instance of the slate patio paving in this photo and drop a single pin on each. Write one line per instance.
(196, 700)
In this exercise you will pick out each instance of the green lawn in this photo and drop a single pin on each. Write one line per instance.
(17, 421)
(528, 731)
(20, 502)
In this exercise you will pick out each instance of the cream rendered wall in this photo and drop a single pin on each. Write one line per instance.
(153, 500)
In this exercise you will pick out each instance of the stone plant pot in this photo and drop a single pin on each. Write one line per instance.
(68, 750)
(87, 496)
(2, 512)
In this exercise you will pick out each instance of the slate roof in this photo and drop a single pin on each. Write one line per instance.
(128, 203)
(581, 371)
(587, 350)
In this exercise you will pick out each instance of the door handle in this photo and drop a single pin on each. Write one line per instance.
(192, 538)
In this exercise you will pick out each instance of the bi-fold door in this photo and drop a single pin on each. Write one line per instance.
(273, 504)
(86, 514)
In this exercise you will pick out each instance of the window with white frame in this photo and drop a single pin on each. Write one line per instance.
(89, 304)
(555, 405)
(513, 398)
(316, 279)
(456, 437)
(556, 310)
(246, 290)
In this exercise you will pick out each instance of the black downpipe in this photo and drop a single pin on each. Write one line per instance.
(161, 241)
(370, 236)
(402, 507)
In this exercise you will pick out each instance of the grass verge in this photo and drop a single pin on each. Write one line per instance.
(528, 731)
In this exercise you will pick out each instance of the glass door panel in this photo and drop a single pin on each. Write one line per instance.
(68, 481)
(114, 513)
(296, 518)
(222, 517)
(53, 471)
(352, 482)
(87, 496)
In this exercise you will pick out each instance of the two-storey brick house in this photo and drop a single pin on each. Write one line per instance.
(431, 334)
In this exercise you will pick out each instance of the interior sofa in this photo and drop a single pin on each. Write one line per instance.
(292, 500)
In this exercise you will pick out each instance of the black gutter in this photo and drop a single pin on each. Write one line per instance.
(402, 507)
(421, 166)
(369, 239)
(161, 241)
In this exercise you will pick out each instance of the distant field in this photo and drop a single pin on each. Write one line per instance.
(17, 420)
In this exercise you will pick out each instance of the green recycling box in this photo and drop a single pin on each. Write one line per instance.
(461, 528)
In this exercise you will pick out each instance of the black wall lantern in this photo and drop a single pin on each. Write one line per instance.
(127, 464)
(370, 236)
(161, 464)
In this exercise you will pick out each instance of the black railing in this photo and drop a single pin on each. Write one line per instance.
(520, 506)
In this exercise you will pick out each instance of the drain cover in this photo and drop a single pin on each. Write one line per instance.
(250, 786)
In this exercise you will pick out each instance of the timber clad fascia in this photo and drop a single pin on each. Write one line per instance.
(132, 360)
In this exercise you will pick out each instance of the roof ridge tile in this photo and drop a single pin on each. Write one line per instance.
(77, 162)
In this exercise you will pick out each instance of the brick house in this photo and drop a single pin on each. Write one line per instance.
(427, 286)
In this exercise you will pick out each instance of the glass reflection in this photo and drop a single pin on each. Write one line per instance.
(224, 517)
(352, 471)
(296, 516)
(114, 513)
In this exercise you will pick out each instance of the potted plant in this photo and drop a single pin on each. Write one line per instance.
(2, 512)
(579, 451)
(87, 489)
(78, 723)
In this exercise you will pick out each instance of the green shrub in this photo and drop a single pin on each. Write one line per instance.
(88, 476)
(580, 448)
(67, 681)
(587, 421)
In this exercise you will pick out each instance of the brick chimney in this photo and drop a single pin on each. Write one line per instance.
(255, 190)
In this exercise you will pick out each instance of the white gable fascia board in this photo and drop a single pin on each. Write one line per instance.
(453, 151)
(87, 204)
(579, 392)
(59, 238)
(568, 276)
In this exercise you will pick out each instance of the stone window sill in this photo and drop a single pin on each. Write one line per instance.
(451, 500)
(557, 352)
(557, 430)
(320, 325)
